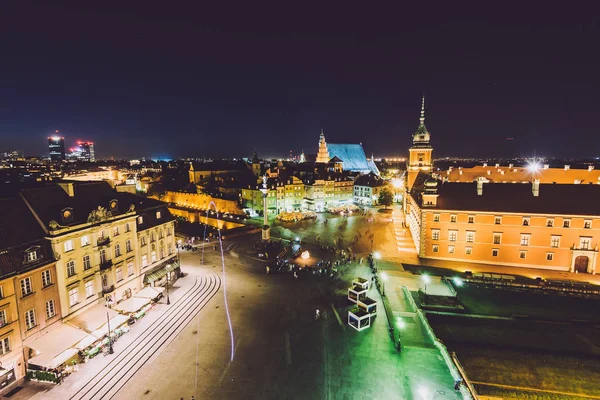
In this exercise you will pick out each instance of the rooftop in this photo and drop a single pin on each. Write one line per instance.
(352, 155)
(49, 202)
(508, 174)
(518, 198)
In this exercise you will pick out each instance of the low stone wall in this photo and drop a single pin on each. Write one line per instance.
(456, 374)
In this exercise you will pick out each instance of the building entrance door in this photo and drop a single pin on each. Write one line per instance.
(581, 264)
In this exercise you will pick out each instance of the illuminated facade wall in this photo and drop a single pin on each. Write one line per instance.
(549, 241)
(201, 201)
(88, 259)
(12, 346)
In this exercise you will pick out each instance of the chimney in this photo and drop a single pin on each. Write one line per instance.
(535, 187)
(510, 165)
(484, 164)
(479, 187)
(497, 165)
(590, 168)
(567, 167)
(68, 188)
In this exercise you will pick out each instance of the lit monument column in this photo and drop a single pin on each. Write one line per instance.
(266, 230)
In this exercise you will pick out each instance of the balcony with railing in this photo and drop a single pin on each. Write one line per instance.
(105, 265)
(108, 289)
(103, 241)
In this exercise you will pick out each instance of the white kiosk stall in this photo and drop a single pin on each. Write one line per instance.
(369, 305)
(356, 293)
(359, 319)
(362, 282)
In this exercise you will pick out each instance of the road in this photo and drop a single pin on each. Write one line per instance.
(281, 351)
(102, 378)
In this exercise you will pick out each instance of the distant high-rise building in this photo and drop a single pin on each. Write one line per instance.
(84, 151)
(87, 151)
(56, 145)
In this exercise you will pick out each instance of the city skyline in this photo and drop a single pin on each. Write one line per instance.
(197, 81)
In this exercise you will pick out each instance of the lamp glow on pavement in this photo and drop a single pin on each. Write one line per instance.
(457, 281)
(400, 323)
(423, 392)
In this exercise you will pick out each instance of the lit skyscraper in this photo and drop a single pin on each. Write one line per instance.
(56, 145)
(84, 151)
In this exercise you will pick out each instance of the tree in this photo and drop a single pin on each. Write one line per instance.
(385, 197)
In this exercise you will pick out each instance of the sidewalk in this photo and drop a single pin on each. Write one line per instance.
(87, 371)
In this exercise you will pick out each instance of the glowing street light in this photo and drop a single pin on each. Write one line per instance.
(400, 323)
(533, 166)
(426, 279)
(377, 255)
(457, 281)
(397, 183)
(384, 279)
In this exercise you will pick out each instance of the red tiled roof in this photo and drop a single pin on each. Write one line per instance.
(504, 174)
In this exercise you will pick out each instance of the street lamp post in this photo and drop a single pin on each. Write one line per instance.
(384, 278)
(168, 301)
(376, 257)
(110, 344)
(426, 280)
(266, 231)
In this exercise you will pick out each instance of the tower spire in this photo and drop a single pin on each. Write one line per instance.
(422, 119)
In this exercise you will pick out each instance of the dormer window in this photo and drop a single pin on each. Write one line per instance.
(158, 215)
(32, 254)
(140, 220)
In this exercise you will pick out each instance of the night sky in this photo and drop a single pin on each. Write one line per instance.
(164, 79)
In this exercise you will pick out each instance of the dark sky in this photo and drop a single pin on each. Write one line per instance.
(174, 79)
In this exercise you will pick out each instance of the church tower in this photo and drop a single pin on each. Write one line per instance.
(323, 154)
(420, 153)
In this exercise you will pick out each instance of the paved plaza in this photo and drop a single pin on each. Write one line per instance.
(280, 350)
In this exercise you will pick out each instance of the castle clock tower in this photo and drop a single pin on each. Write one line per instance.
(420, 153)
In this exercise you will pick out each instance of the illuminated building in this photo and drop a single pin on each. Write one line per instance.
(93, 230)
(56, 146)
(30, 301)
(83, 151)
(323, 153)
(351, 157)
(419, 159)
(546, 226)
(367, 189)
